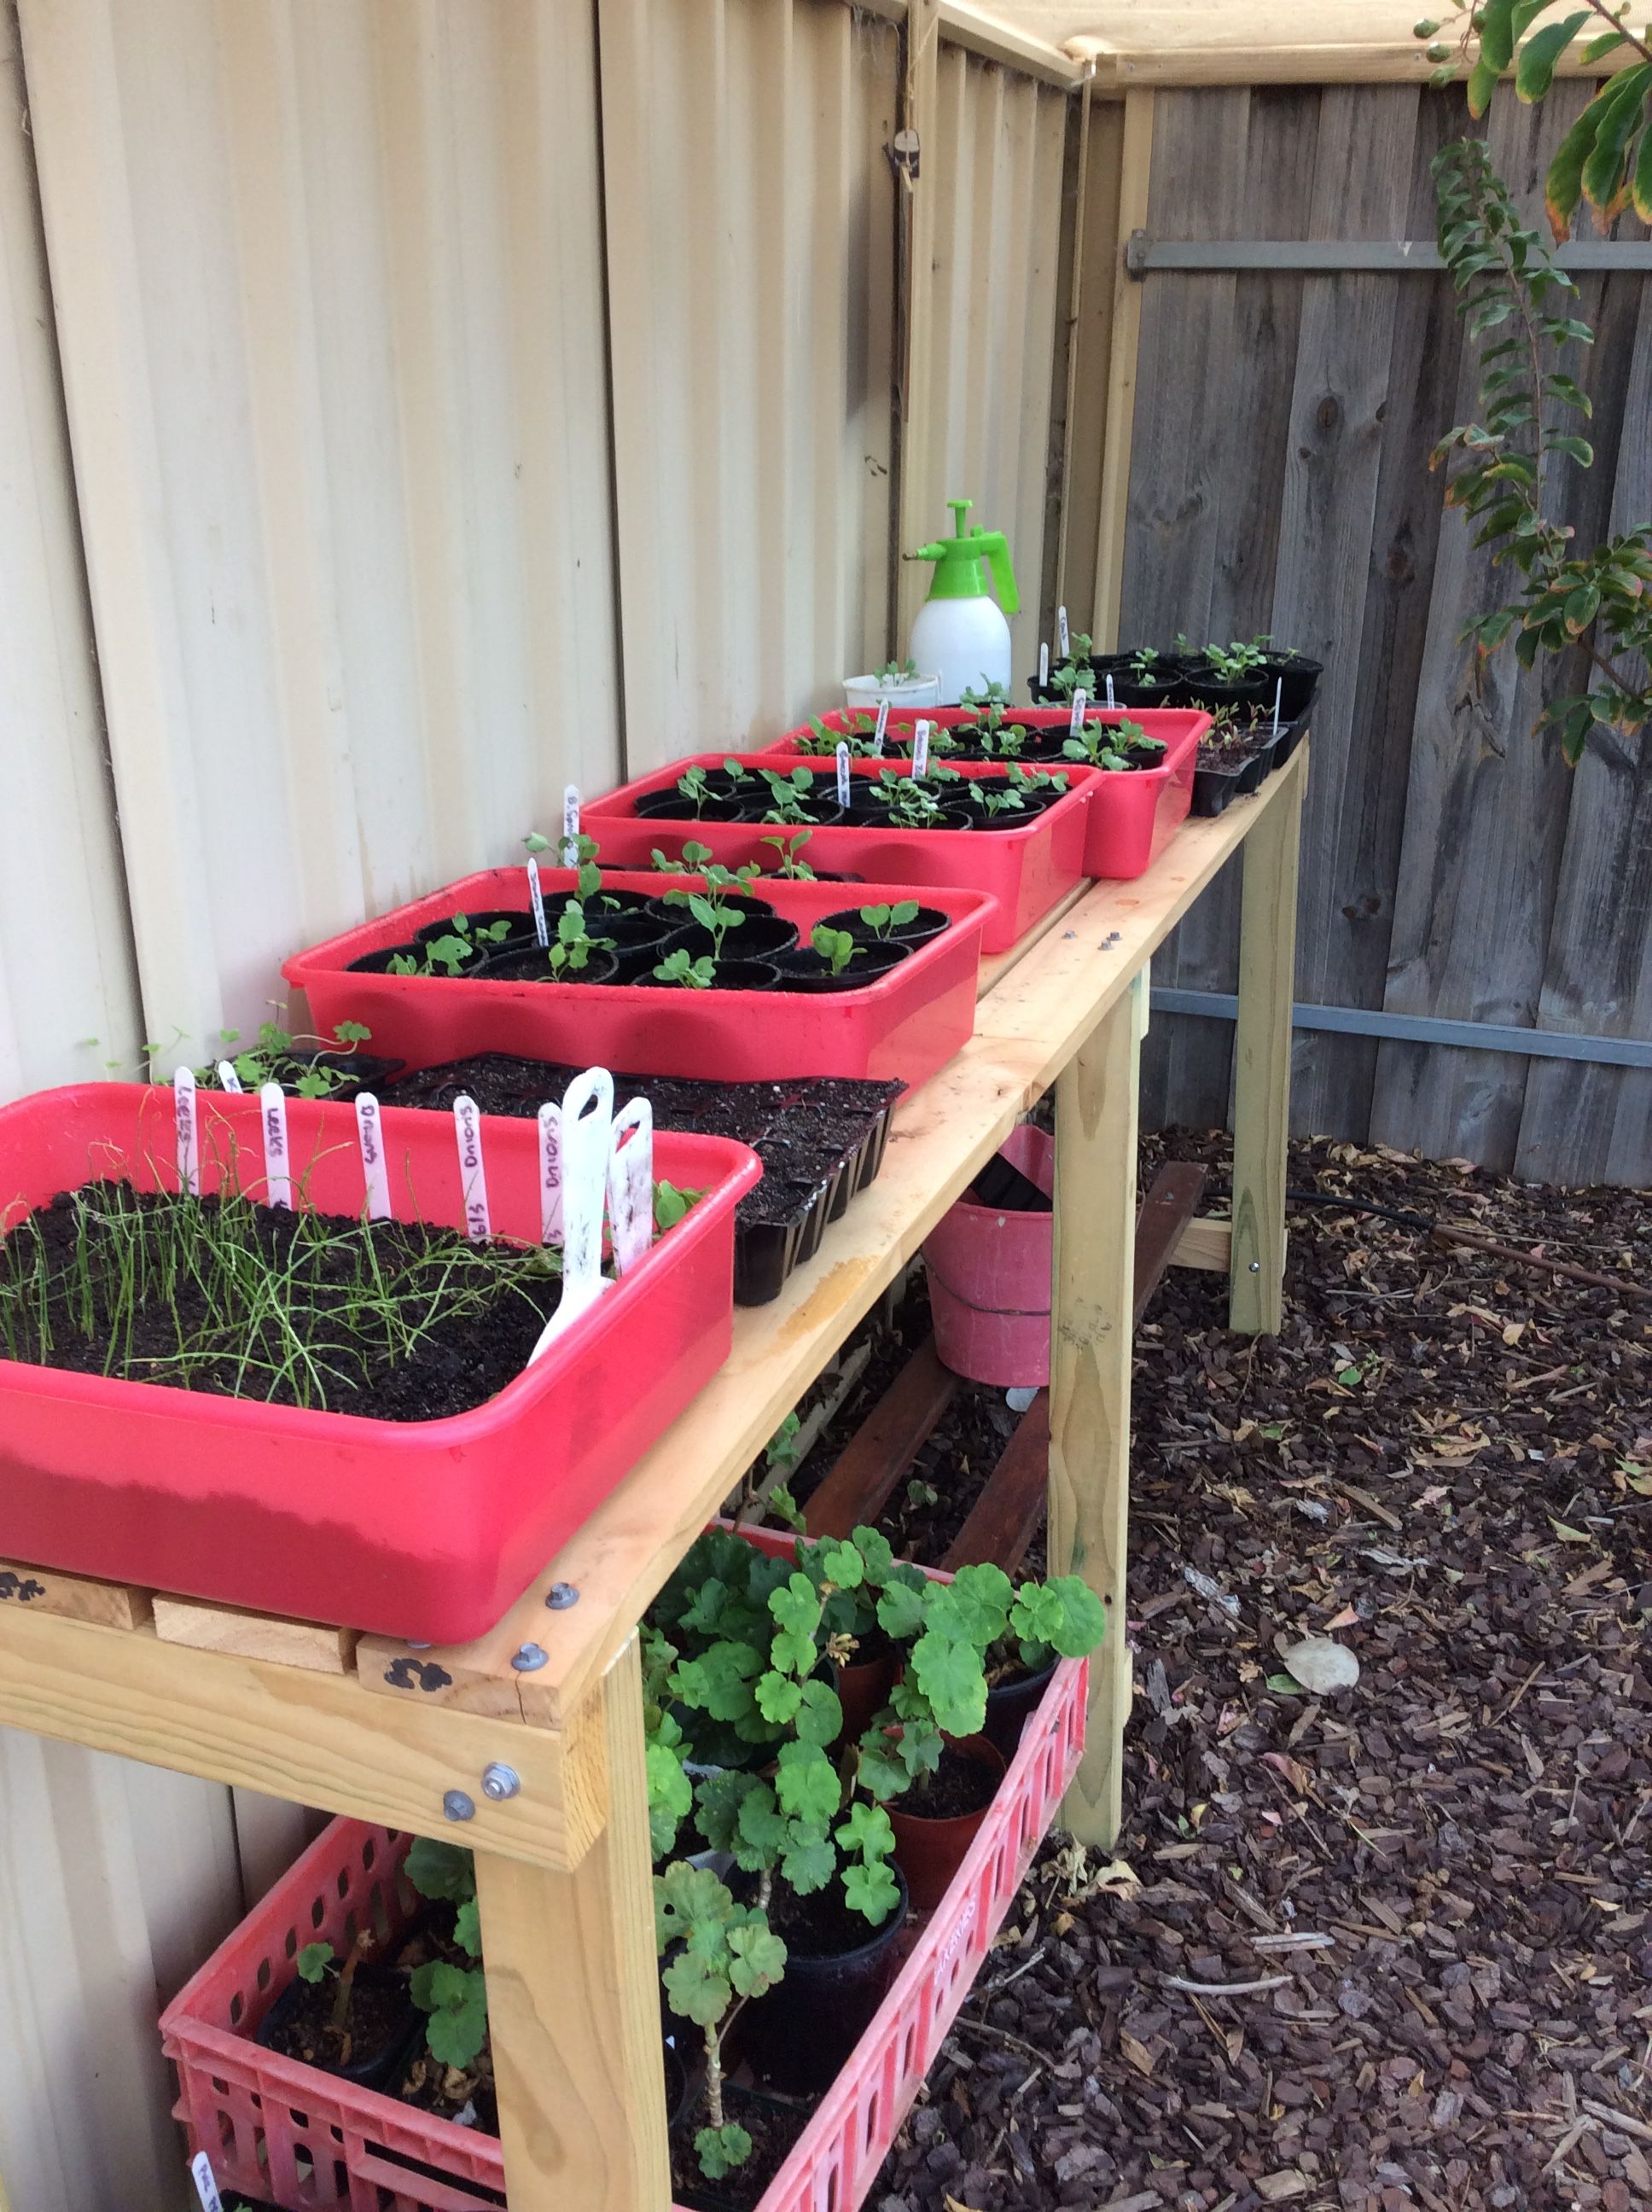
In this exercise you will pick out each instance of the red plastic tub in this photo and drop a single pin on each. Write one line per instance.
(304, 2139)
(424, 1530)
(1025, 870)
(989, 1278)
(906, 1024)
(1132, 818)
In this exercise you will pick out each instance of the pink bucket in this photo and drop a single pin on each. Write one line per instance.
(989, 1278)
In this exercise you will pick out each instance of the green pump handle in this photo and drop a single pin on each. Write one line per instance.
(958, 558)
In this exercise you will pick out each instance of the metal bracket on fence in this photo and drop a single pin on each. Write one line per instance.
(1425, 1029)
(1144, 254)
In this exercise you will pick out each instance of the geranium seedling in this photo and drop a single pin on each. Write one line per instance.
(788, 847)
(375, 1173)
(473, 1174)
(277, 1154)
(691, 974)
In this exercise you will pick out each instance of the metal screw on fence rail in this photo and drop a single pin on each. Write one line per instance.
(530, 1659)
(561, 1595)
(499, 1782)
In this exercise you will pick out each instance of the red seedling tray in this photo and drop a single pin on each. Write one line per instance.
(283, 2130)
(1133, 817)
(425, 1530)
(906, 1024)
(1025, 870)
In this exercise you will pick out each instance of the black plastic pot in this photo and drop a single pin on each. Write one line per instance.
(798, 2034)
(1298, 678)
(928, 921)
(760, 937)
(673, 805)
(361, 1071)
(374, 2069)
(805, 970)
(378, 963)
(1200, 686)
(745, 976)
(872, 814)
(635, 959)
(520, 932)
(741, 2190)
(1215, 789)
(529, 964)
(766, 1250)
(1010, 1706)
(679, 917)
(821, 815)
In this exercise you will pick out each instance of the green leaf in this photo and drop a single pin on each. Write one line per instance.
(695, 1991)
(758, 1957)
(1641, 191)
(457, 2032)
(807, 1860)
(819, 1717)
(871, 1890)
(974, 1605)
(877, 1555)
(720, 2150)
(467, 1923)
(1285, 1685)
(1577, 449)
(883, 1770)
(1563, 186)
(779, 1697)
(901, 1612)
(761, 1830)
(867, 1831)
(950, 1674)
(314, 1960)
(842, 1565)
(440, 1869)
(1604, 44)
(795, 1609)
(1482, 83)
(806, 1784)
(1534, 72)
(1620, 114)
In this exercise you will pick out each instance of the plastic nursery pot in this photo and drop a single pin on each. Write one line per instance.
(1009, 1705)
(928, 1852)
(759, 936)
(378, 963)
(928, 921)
(374, 2069)
(864, 694)
(1216, 789)
(989, 1278)
(1298, 678)
(805, 970)
(673, 805)
(742, 975)
(519, 930)
(530, 965)
(798, 2035)
(773, 2124)
(863, 1689)
(677, 913)
(1200, 686)
(871, 813)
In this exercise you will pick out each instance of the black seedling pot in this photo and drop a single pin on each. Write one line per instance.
(745, 976)
(822, 814)
(766, 1251)
(928, 921)
(673, 805)
(805, 970)
(520, 931)
(635, 962)
(373, 2069)
(1200, 686)
(361, 1071)
(1298, 678)
(605, 906)
(738, 2191)
(530, 966)
(680, 918)
(872, 814)
(764, 937)
(1011, 1703)
(378, 963)
(1216, 789)
(798, 2035)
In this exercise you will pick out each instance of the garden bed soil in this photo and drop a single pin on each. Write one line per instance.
(960, 1785)
(463, 1359)
(1440, 1877)
(773, 2126)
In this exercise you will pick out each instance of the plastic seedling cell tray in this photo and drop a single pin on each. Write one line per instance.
(1134, 814)
(426, 1530)
(906, 1023)
(1025, 870)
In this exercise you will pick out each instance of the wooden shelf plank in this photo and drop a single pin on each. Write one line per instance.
(254, 1635)
(1004, 1518)
(883, 1447)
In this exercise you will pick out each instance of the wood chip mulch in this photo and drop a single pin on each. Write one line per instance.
(1438, 1882)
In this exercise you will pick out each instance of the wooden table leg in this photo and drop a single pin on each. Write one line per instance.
(573, 1996)
(1093, 1301)
(1262, 1103)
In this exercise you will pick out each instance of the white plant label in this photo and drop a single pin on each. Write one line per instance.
(1278, 694)
(631, 1184)
(550, 1174)
(921, 747)
(1076, 719)
(882, 730)
(1043, 664)
(375, 1172)
(277, 1155)
(571, 826)
(844, 792)
(587, 1141)
(473, 1176)
(537, 901)
(1111, 700)
(189, 1136)
(231, 1082)
(1062, 636)
(206, 2187)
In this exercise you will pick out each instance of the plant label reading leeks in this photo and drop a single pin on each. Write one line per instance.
(537, 901)
(631, 1184)
(571, 826)
(228, 1079)
(205, 2187)
(473, 1176)
(921, 749)
(188, 1147)
(550, 1174)
(882, 730)
(374, 1173)
(277, 1158)
(1063, 638)
(843, 793)
(1076, 718)
(588, 1125)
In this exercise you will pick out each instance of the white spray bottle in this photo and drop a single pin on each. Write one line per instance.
(960, 631)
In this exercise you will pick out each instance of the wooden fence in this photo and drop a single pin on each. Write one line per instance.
(1279, 482)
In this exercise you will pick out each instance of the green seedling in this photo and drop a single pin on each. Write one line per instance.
(1074, 672)
(454, 1998)
(720, 1953)
(691, 974)
(788, 847)
(836, 947)
(884, 920)
(451, 952)
(318, 1962)
(1235, 663)
(1113, 745)
(570, 951)
(790, 796)
(279, 1057)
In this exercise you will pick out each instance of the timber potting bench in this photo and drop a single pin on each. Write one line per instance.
(385, 1731)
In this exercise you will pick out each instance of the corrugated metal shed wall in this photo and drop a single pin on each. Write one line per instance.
(363, 522)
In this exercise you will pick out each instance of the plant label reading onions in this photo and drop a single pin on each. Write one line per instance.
(1043, 664)
(1062, 636)
(537, 901)
(473, 1177)
(571, 826)
(587, 1141)
(882, 730)
(550, 1174)
(920, 748)
(228, 1079)
(189, 1143)
(1076, 718)
(277, 1158)
(631, 1184)
(843, 790)
(375, 1173)
(205, 2187)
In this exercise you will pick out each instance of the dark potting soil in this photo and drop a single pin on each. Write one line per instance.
(450, 2091)
(773, 2128)
(1229, 753)
(959, 1784)
(461, 1361)
(376, 2015)
(820, 1925)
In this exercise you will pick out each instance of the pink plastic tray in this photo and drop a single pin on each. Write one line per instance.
(426, 1530)
(305, 2139)
(1132, 818)
(906, 1024)
(1025, 870)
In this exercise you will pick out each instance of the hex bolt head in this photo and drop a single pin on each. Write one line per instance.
(458, 1807)
(561, 1595)
(499, 1782)
(530, 1659)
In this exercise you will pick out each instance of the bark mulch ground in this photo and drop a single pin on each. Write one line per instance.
(1440, 1878)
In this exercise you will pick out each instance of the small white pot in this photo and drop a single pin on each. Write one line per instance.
(866, 692)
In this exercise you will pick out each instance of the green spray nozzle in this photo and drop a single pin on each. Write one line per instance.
(958, 559)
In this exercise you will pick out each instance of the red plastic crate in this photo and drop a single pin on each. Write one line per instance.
(1026, 871)
(1133, 817)
(906, 1023)
(424, 1530)
(286, 2131)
